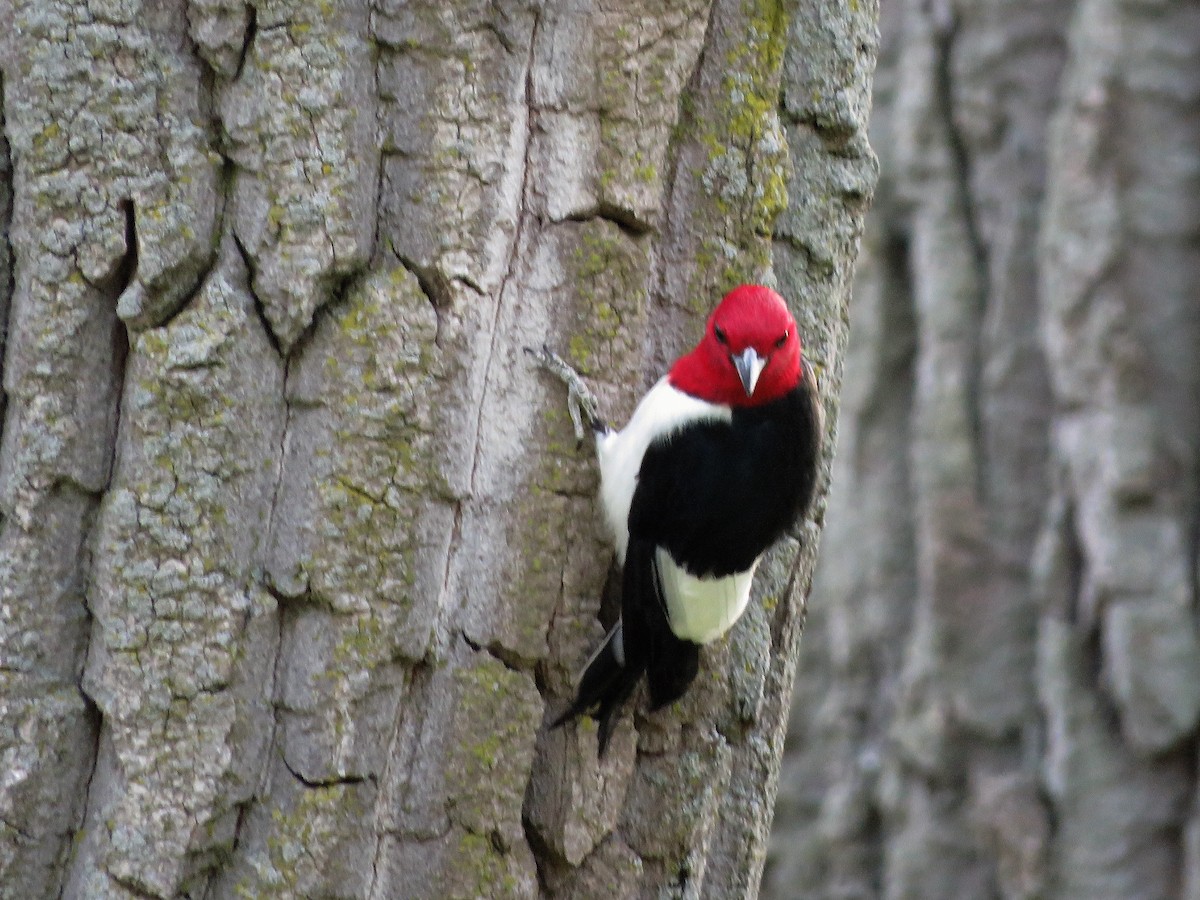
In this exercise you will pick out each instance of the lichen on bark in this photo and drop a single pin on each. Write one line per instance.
(298, 550)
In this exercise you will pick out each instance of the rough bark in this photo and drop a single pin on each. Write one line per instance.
(297, 555)
(1000, 683)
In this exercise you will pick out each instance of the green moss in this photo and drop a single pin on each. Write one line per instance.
(301, 837)
(375, 372)
(745, 172)
(480, 870)
(494, 724)
(608, 318)
(487, 752)
(752, 79)
(581, 352)
(610, 273)
(365, 642)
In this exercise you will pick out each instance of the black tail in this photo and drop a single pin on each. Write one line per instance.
(672, 669)
(671, 663)
(606, 682)
(642, 641)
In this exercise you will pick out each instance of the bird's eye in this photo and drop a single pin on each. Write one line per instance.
(720, 334)
(782, 340)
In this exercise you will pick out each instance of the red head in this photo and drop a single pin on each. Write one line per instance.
(750, 352)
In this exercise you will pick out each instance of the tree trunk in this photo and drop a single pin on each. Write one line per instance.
(297, 554)
(1001, 679)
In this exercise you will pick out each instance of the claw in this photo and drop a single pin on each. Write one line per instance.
(581, 402)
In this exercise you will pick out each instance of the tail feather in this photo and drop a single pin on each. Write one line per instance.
(641, 642)
(672, 668)
(604, 684)
(611, 705)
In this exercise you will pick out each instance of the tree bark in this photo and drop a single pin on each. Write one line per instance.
(297, 554)
(1000, 687)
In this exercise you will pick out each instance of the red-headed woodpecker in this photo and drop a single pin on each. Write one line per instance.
(718, 461)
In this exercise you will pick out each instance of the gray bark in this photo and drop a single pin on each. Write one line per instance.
(297, 555)
(1000, 684)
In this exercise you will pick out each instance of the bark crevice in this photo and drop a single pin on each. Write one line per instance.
(248, 37)
(945, 23)
(123, 275)
(260, 310)
(8, 278)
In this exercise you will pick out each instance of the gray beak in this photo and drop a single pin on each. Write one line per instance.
(749, 366)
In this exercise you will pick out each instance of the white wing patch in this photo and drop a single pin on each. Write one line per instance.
(702, 609)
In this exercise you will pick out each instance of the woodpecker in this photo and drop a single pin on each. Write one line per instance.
(717, 462)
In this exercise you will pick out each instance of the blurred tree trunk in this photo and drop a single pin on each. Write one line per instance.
(297, 554)
(1001, 679)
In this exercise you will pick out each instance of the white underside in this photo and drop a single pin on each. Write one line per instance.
(702, 609)
(699, 609)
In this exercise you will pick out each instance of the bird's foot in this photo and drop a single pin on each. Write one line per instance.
(581, 402)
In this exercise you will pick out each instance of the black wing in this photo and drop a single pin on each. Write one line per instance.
(716, 495)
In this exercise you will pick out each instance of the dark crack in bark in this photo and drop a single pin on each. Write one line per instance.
(417, 690)
(625, 219)
(7, 261)
(123, 275)
(248, 40)
(259, 309)
(945, 25)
